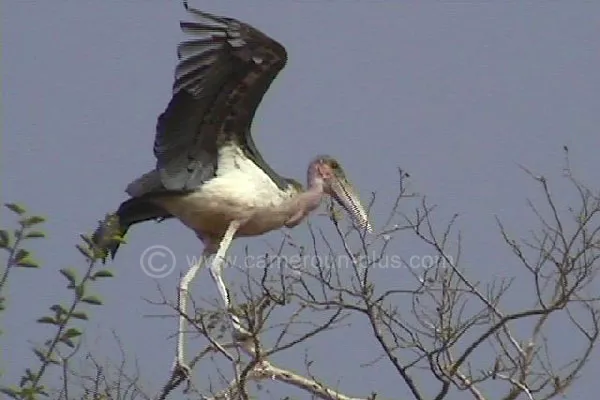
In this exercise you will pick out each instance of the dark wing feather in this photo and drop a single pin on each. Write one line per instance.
(223, 74)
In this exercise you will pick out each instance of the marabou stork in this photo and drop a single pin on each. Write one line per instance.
(208, 172)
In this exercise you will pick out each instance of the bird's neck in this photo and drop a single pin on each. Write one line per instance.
(311, 198)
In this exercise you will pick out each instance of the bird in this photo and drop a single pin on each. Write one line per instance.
(208, 173)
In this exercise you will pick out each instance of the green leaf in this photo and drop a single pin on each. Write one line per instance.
(30, 221)
(71, 333)
(40, 354)
(28, 263)
(30, 393)
(87, 239)
(28, 376)
(44, 358)
(21, 254)
(13, 392)
(119, 238)
(103, 273)
(68, 335)
(79, 315)
(23, 259)
(58, 309)
(4, 239)
(16, 208)
(47, 320)
(79, 291)
(86, 252)
(70, 274)
(35, 235)
(92, 300)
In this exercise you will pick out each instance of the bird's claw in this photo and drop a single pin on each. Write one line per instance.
(181, 369)
(240, 334)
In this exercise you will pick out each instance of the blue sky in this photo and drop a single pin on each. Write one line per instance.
(459, 95)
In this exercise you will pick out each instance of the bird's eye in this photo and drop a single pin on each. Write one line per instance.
(334, 165)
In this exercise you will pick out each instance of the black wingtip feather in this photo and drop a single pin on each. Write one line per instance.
(208, 16)
(111, 231)
(108, 235)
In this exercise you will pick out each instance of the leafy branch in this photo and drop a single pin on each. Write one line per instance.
(62, 316)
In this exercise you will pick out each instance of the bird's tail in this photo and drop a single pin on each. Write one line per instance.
(111, 231)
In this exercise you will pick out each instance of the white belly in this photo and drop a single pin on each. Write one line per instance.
(240, 191)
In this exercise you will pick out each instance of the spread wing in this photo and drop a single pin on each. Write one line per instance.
(223, 73)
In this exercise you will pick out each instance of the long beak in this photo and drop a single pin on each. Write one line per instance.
(344, 194)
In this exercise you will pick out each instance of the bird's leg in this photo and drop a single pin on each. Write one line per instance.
(216, 271)
(182, 300)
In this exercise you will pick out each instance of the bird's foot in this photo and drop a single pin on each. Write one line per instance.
(181, 369)
(238, 331)
(240, 334)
